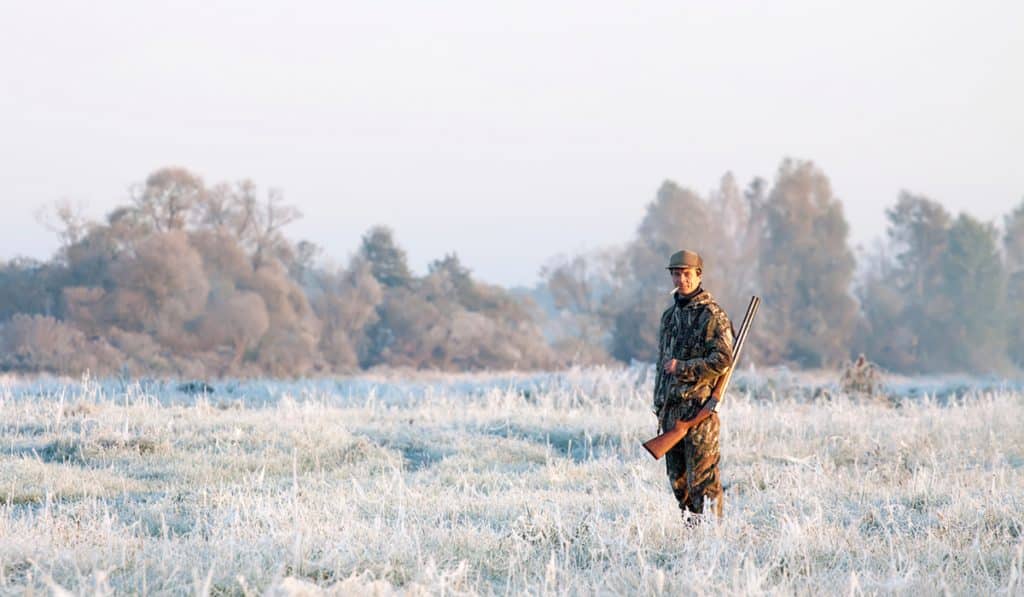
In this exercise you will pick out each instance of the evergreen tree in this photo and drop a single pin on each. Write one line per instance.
(387, 260)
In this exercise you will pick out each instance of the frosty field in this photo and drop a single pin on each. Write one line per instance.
(488, 484)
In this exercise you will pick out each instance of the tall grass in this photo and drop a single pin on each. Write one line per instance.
(484, 484)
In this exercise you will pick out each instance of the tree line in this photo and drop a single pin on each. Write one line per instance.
(939, 293)
(191, 280)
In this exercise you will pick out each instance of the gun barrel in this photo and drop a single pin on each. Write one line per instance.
(741, 340)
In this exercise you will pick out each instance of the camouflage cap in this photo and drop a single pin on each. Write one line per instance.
(681, 259)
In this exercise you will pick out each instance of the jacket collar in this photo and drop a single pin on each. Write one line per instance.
(702, 298)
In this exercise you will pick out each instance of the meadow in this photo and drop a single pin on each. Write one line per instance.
(424, 484)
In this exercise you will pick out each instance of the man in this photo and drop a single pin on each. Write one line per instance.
(695, 344)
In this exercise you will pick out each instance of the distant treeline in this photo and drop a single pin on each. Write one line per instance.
(191, 280)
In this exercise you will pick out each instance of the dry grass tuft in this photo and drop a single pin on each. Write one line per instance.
(861, 377)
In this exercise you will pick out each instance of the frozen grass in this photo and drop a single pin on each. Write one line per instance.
(501, 484)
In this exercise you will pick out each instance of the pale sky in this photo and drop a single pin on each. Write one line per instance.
(508, 132)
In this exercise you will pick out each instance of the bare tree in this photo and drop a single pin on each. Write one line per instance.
(346, 304)
(42, 343)
(169, 198)
(67, 220)
(161, 285)
(256, 224)
(237, 319)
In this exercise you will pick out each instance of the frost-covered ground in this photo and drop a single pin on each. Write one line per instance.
(504, 484)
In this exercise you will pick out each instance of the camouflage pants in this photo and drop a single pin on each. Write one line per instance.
(692, 464)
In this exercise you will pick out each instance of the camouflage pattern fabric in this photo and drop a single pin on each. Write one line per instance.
(698, 334)
(692, 465)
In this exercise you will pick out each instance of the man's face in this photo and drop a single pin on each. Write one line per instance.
(686, 279)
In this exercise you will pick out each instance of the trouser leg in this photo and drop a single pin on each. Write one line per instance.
(701, 455)
(676, 463)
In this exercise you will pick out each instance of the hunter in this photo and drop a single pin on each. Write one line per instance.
(695, 347)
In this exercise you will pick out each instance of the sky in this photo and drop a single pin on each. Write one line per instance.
(506, 132)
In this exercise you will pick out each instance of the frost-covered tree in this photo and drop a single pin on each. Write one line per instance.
(677, 218)
(975, 281)
(580, 288)
(1013, 247)
(805, 270)
(937, 302)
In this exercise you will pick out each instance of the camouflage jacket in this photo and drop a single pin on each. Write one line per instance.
(699, 335)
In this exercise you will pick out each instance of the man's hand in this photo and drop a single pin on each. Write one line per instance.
(702, 414)
(670, 366)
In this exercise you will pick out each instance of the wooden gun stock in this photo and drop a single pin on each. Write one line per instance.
(660, 445)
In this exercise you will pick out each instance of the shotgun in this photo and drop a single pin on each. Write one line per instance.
(658, 446)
